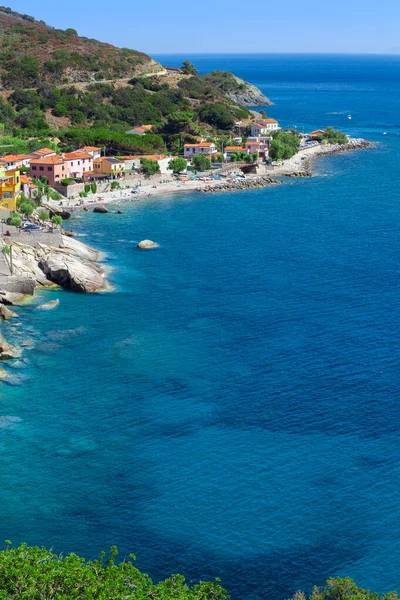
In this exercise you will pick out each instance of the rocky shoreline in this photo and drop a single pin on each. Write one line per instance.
(240, 184)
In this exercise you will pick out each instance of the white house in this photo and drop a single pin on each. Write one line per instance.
(92, 150)
(190, 150)
(264, 127)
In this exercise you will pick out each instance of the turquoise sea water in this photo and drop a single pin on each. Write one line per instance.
(232, 408)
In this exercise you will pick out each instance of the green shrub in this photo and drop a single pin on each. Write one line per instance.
(57, 220)
(87, 188)
(93, 187)
(177, 165)
(115, 185)
(43, 215)
(15, 220)
(32, 572)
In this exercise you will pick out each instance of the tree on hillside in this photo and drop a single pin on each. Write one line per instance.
(177, 165)
(201, 162)
(149, 167)
(189, 68)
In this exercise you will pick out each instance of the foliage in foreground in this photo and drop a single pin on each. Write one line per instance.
(284, 145)
(338, 588)
(37, 573)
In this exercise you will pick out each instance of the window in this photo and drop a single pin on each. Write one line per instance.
(17, 178)
(79, 162)
(34, 168)
(7, 195)
(72, 164)
(49, 168)
(41, 168)
(57, 176)
(63, 167)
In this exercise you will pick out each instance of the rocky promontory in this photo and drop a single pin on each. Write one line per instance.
(248, 94)
(69, 264)
(240, 184)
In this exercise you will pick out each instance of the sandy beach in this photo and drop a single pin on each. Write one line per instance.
(299, 165)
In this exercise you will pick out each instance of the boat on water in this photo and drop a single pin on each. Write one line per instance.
(349, 117)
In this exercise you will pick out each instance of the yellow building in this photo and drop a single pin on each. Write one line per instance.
(106, 165)
(10, 188)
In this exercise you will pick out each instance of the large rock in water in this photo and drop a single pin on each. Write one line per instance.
(6, 313)
(49, 305)
(72, 273)
(100, 209)
(147, 244)
(7, 351)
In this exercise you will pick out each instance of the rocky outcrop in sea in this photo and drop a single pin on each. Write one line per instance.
(250, 96)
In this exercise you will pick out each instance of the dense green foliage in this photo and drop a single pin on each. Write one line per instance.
(285, 144)
(339, 588)
(36, 573)
(15, 220)
(224, 81)
(201, 162)
(149, 167)
(238, 156)
(177, 165)
(57, 220)
(334, 136)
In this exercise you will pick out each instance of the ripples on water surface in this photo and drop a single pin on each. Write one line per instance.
(232, 408)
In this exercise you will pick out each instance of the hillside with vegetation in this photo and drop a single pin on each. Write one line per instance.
(61, 87)
(32, 52)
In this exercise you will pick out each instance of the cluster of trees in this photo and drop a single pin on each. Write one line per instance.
(149, 167)
(239, 155)
(343, 588)
(334, 136)
(32, 572)
(285, 144)
(27, 113)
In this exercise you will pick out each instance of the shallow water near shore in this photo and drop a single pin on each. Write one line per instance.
(231, 409)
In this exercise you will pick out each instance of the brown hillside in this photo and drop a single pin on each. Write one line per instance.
(33, 52)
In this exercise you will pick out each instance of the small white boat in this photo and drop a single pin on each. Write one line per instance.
(384, 133)
(349, 117)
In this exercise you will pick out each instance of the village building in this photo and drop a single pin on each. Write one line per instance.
(77, 163)
(264, 127)
(10, 188)
(28, 188)
(15, 161)
(108, 166)
(317, 133)
(43, 153)
(190, 150)
(92, 150)
(52, 167)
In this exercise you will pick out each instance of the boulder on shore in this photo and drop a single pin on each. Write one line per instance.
(6, 313)
(100, 209)
(12, 298)
(7, 351)
(49, 305)
(72, 273)
(147, 244)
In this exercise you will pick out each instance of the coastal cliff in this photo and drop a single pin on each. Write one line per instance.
(238, 90)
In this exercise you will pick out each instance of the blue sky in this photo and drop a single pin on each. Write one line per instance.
(181, 26)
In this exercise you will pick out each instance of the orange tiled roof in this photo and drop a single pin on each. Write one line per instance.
(237, 148)
(200, 145)
(77, 155)
(253, 143)
(49, 160)
(10, 158)
(42, 151)
(88, 149)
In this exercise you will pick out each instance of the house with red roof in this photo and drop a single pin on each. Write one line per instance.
(207, 148)
(264, 127)
(52, 167)
(78, 163)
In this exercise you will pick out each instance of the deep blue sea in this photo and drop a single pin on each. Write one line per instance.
(232, 408)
